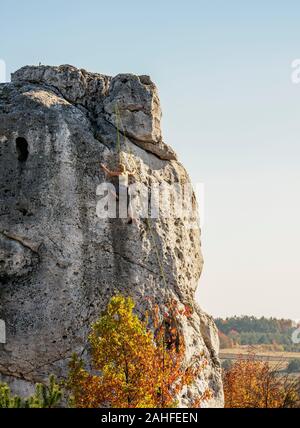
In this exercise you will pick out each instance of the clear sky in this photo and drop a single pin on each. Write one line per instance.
(230, 110)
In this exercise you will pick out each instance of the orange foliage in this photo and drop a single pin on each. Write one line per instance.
(132, 367)
(251, 383)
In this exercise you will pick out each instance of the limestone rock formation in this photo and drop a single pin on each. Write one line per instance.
(59, 262)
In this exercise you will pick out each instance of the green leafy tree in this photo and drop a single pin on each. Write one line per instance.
(249, 330)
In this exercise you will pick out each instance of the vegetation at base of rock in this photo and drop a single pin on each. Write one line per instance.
(252, 383)
(132, 366)
(45, 396)
(275, 334)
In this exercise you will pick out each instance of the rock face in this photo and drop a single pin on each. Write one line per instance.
(59, 262)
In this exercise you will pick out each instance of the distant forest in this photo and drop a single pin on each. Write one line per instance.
(271, 333)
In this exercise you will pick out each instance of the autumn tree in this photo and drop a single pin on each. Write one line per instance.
(131, 366)
(252, 383)
(170, 354)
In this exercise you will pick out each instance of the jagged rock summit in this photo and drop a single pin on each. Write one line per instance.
(59, 261)
(135, 96)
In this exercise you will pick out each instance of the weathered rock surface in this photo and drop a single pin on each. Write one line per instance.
(59, 262)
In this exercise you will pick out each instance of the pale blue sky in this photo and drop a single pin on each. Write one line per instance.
(230, 110)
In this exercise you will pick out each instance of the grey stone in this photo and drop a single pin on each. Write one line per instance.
(59, 262)
(16, 257)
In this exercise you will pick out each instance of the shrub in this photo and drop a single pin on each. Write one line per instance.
(46, 396)
(255, 384)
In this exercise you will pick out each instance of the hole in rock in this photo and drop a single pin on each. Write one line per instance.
(22, 149)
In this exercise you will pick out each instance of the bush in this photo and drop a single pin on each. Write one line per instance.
(46, 396)
(252, 383)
